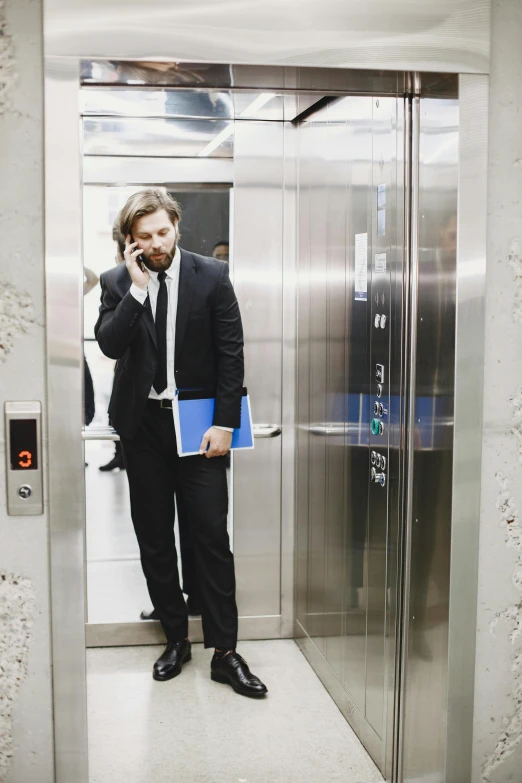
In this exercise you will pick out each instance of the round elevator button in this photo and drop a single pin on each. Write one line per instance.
(25, 491)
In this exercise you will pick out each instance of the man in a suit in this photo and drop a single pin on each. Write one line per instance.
(172, 320)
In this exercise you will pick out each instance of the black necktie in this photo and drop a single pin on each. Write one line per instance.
(160, 379)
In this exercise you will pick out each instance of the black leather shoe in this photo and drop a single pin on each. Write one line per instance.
(232, 669)
(169, 664)
(149, 615)
(116, 462)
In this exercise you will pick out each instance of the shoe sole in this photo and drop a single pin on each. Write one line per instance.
(174, 674)
(225, 681)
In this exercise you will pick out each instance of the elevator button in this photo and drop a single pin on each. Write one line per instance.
(383, 463)
(377, 321)
(374, 458)
(379, 373)
(25, 491)
(383, 321)
(376, 408)
(378, 478)
(380, 427)
(379, 390)
(380, 408)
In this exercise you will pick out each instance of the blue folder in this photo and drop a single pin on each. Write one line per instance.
(194, 414)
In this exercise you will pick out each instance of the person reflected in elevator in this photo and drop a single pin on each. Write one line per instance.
(171, 319)
(90, 281)
(116, 462)
(188, 568)
(221, 250)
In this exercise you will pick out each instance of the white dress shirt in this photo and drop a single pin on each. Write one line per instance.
(172, 282)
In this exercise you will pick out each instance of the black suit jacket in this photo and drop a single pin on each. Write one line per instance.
(209, 341)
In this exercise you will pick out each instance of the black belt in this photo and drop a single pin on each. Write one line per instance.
(160, 403)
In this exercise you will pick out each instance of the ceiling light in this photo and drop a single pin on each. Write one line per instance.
(217, 141)
(250, 111)
(259, 102)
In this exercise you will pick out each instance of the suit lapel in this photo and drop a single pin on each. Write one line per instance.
(187, 283)
(125, 281)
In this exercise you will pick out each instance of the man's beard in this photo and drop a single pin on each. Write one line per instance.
(161, 264)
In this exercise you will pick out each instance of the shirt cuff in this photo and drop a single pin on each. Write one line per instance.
(138, 293)
(226, 429)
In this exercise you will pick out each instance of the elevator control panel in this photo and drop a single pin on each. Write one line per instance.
(23, 428)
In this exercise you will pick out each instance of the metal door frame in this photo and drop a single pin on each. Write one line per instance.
(63, 249)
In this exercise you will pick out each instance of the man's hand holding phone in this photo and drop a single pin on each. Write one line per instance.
(137, 271)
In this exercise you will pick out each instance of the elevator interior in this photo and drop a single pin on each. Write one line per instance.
(339, 193)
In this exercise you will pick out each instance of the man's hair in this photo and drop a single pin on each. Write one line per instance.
(145, 202)
(118, 236)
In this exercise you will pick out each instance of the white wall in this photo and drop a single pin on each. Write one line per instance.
(26, 751)
(498, 698)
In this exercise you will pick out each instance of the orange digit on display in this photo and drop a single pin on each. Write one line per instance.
(26, 459)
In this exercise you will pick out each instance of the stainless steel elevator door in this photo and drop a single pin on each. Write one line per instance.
(350, 255)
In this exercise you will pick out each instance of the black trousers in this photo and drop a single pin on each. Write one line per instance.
(188, 558)
(156, 474)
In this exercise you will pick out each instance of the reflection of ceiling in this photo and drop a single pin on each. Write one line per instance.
(153, 102)
(172, 123)
(157, 137)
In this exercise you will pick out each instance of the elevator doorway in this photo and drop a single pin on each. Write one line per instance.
(331, 186)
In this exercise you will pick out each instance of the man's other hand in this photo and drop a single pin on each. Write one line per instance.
(219, 440)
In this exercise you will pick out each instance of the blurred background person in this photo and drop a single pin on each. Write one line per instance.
(221, 250)
(116, 463)
(90, 281)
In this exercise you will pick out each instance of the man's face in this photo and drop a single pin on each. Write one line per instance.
(157, 238)
(221, 252)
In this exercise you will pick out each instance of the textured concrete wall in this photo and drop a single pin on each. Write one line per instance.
(26, 751)
(498, 697)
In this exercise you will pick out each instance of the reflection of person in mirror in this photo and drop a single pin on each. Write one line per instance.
(172, 320)
(90, 280)
(221, 250)
(116, 463)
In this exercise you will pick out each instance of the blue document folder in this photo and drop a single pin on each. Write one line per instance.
(194, 414)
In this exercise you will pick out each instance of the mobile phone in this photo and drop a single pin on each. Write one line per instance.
(139, 258)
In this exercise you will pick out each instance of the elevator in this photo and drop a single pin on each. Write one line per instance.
(338, 191)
